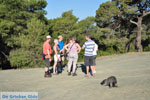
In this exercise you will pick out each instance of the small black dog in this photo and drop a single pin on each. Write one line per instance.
(110, 81)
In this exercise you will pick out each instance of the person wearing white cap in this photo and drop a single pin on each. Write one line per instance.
(47, 52)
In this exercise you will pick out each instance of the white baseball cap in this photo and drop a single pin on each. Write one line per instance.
(48, 36)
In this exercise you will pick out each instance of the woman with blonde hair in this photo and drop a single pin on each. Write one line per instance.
(56, 56)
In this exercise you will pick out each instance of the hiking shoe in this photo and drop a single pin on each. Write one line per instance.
(69, 73)
(74, 74)
(47, 74)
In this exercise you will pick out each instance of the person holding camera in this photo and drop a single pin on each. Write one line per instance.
(73, 49)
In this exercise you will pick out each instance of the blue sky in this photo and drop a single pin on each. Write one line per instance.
(81, 8)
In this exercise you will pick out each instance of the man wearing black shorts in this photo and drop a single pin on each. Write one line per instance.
(47, 52)
(88, 60)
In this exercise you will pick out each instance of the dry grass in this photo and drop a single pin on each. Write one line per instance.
(132, 71)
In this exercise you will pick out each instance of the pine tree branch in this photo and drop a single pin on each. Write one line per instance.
(146, 13)
(4, 54)
(134, 22)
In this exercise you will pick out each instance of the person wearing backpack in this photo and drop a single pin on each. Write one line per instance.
(73, 49)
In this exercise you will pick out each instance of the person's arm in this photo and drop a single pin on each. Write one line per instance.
(50, 49)
(96, 47)
(63, 48)
(55, 50)
(83, 46)
(66, 47)
(49, 56)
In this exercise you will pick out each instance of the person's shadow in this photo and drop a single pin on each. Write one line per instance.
(83, 68)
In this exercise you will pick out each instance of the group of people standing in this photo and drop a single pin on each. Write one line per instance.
(72, 49)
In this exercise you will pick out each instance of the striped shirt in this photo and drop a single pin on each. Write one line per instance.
(89, 47)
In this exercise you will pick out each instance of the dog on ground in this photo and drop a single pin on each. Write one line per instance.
(110, 81)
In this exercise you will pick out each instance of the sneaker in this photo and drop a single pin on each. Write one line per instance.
(74, 74)
(69, 73)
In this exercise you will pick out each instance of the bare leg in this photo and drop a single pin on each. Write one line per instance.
(46, 69)
(47, 73)
(54, 67)
(87, 70)
(63, 59)
(92, 68)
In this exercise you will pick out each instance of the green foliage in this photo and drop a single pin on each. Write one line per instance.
(23, 29)
(117, 15)
(31, 45)
(106, 13)
(19, 58)
(64, 25)
(15, 16)
(81, 56)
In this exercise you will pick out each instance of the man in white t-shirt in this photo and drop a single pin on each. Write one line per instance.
(94, 57)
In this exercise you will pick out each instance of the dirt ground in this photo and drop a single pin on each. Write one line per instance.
(132, 72)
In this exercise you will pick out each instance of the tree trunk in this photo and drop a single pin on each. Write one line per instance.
(139, 31)
(138, 35)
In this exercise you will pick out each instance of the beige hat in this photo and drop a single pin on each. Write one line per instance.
(59, 36)
(55, 40)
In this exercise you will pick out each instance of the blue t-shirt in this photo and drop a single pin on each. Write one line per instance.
(60, 45)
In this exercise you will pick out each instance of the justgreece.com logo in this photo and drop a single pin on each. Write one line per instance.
(19, 96)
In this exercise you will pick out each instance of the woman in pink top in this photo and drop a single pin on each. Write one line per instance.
(73, 49)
